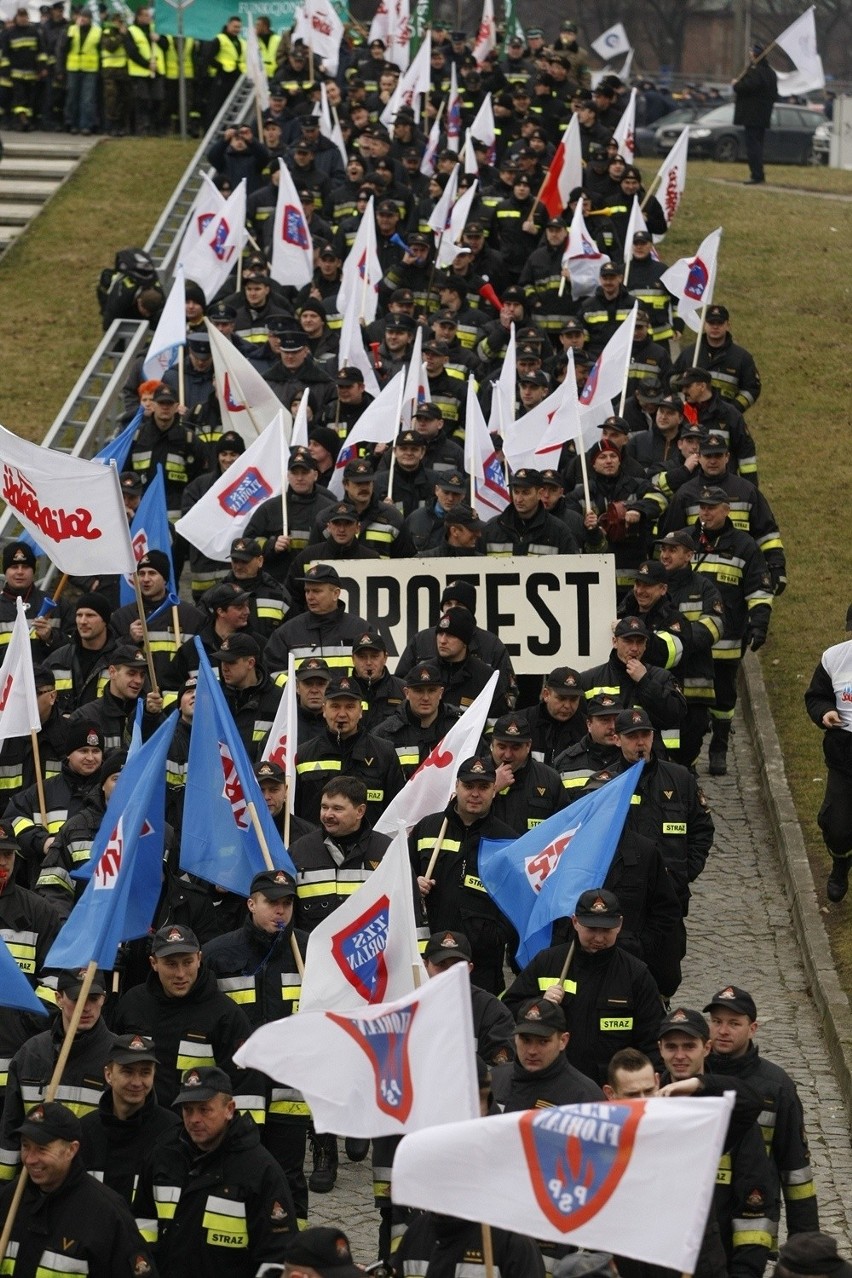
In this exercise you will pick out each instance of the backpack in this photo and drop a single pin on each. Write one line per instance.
(130, 263)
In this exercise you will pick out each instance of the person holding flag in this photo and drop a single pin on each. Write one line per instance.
(79, 666)
(644, 282)
(608, 998)
(46, 621)
(159, 603)
(114, 711)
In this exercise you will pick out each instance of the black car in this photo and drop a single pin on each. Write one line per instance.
(789, 139)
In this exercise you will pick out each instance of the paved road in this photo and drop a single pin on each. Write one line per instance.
(740, 934)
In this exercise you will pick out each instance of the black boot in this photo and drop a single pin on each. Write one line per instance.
(718, 751)
(324, 1175)
(356, 1150)
(838, 880)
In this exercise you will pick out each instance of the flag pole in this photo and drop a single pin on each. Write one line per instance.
(627, 363)
(568, 957)
(181, 374)
(487, 1250)
(42, 803)
(50, 1093)
(650, 190)
(584, 471)
(146, 638)
(176, 626)
(264, 847)
(442, 834)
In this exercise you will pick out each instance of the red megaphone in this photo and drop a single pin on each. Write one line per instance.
(487, 294)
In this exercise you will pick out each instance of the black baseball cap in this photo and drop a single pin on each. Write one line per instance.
(598, 908)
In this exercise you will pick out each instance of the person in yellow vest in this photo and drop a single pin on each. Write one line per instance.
(171, 113)
(146, 68)
(226, 62)
(82, 63)
(115, 79)
(269, 42)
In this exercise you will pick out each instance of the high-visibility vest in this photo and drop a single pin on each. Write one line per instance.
(172, 71)
(268, 51)
(83, 52)
(113, 59)
(147, 50)
(227, 59)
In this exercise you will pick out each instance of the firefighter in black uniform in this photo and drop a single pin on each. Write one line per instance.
(19, 564)
(340, 541)
(382, 691)
(382, 527)
(269, 602)
(607, 308)
(732, 368)
(542, 1075)
(66, 1216)
(454, 894)
(669, 640)
(228, 611)
(212, 1200)
(525, 527)
(79, 666)
(594, 751)
(421, 721)
(256, 967)
(17, 759)
(733, 1024)
(556, 721)
(528, 792)
(305, 501)
(324, 630)
(164, 440)
(483, 644)
(343, 748)
(272, 780)
(251, 695)
(153, 570)
(720, 416)
(464, 674)
(114, 711)
(828, 704)
(734, 561)
(609, 998)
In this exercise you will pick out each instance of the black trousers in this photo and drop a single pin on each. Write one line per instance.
(835, 816)
(754, 138)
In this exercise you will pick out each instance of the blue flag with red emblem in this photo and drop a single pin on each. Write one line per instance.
(536, 879)
(149, 531)
(15, 989)
(125, 870)
(219, 842)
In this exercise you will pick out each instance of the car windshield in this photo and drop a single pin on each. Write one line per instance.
(719, 115)
(681, 116)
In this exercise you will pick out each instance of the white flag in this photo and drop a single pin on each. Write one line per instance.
(325, 32)
(537, 438)
(433, 142)
(490, 494)
(799, 42)
(362, 270)
(459, 214)
(19, 714)
(299, 432)
(246, 401)
(624, 132)
(503, 398)
(330, 125)
(672, 177)
(382, 1070)
(207, 204)
(471, 164)
(430, 788)
(378, 424)
(609, 373)
(280, 745)
(351, 352)
(486, 36)
(594, 1176)
(624, 73)
(691, 280)
(170, 334)
(439, 219)
(366, 950)
(453, 112)
(255, 69)
(73, 509)
(636, 223)
(215, 255)
(379, 25)
(411, 86)
(611, 42)
(483, 127)
(398, 48)
(416, 390)
(582, 256)
(225, 509)
(292, 246)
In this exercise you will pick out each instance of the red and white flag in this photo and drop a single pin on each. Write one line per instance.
(73, 509)
(19, 714)
(416, 390)
(246, 401)
(609, 374)
(366, 950)
(502, 413)
(538, 437)
(207, 204)
(325, 32)
(280, 745)
(430, 788)
(215, 255)
(378, 424)
(398, 49)
(225, 509)
(691, 280)
(486, 36)
(582, 257)
(672, 177)
(584, 1175)
(439, 219)
(565, 172)
(624, 132)
(490, 496)
(433, 143)
(170, 334)
(292, 246)
(411, 86)
(382, 1070)
(379, 25)
(351, 352)
(453, 125)
(362, 270)
(460, 212)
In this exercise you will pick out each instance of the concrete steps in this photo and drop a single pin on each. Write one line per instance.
(33, 167)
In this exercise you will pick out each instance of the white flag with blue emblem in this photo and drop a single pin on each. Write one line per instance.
(292, 246)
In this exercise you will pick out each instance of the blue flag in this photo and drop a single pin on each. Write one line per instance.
(150, 531)
(536, 879)
(125, 871)
(15, 989)
(117, 450)
(219, 841)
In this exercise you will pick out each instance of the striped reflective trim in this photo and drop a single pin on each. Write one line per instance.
(225, 1222)
(54, 1262)
(760, 1232)
(241, 989)
(166, 1199)
(149, 1229)
(319, 765)
(192, 1055)
(254, 1106)
(545, 982)
(288, 1102)
(427, 843)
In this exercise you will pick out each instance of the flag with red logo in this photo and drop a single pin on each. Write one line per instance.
(220, 844)
(378, 1071)
(324, 33)
(490, 495)
(72, 508)
(412, 86)
(225, 509)
(246, 401)
(398, 49)
(430, 788)
(459, 214)
(214, 256)
(671, 179)
(19, 714)
(585, 1175)
(536, 879)
(582, 257)
(280, 745)
(149, 531)
(691, 280)
(207, 204)
(378, 424)
(125, 869)
(362, 271)
(537, 438)
(292, 246)
(609, 373)
(565, 172)
(454, 116)
(624, 132)
(366, 950)
(486, 36)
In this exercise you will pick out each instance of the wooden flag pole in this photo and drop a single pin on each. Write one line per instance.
(584, 471)
(568, 957)
(146, 638)
(442, 834)
(264, 847)
(176, 626)
(181, 375)
(650, 190)
(42, 802)
(488, 1250)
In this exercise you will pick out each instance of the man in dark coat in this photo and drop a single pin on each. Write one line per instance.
(755, 93)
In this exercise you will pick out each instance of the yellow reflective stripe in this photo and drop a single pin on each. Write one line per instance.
(793, 1193)
(752, 1238)
(290, 1109)
(320, 765)
(545, 982)
(674, 827)
(149, 1229)
(471, 881)
(616, 1023)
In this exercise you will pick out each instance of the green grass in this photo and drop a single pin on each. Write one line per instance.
(47, 278)
(784, 275)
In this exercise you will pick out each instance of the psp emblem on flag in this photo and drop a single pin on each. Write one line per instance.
(232, 789)
(247, 491)
(588, 392)
(220, 245)
(293, 230)
(359, 951)
(109, 864)
(697, 280)
(544, 862)
(576, 1158)
(385, 1041)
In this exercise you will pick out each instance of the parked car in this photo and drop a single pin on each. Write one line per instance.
(822, 142)
(789, 139)
(683, 114)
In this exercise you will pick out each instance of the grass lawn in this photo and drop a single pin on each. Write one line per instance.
(784, 275)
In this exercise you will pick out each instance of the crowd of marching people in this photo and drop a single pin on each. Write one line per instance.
(194, 1159)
